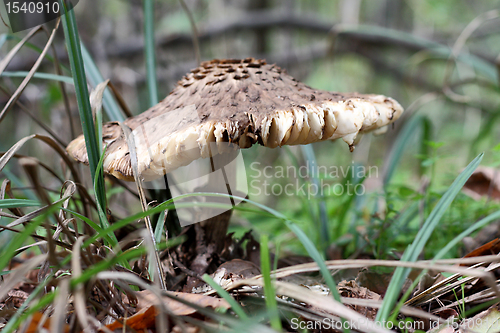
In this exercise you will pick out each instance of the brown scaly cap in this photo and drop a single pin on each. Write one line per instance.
(241, 102)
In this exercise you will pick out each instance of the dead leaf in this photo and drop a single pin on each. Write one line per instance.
(492, 247)
(35, 321)
(484, 182)
(147, 298)
(485, 322)
(145, 318)
(353, 290)
(376, 282)
(446, 313)
(426, 281)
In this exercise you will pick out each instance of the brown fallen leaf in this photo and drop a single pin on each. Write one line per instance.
(353, 290)
(35, 321)
(489, 248)
(147, 298)
(375, 281)
(145, 318)
(484, 182)
(487, 321)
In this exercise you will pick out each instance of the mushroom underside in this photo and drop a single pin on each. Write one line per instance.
(235, 105)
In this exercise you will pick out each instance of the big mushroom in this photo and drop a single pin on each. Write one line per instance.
(240, 103)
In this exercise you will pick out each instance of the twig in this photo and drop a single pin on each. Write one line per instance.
(459, 44)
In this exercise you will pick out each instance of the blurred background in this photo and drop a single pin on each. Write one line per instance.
(439, 59)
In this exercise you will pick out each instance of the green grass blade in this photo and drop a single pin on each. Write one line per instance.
(8, 251)
(454, 242)
(316, 256)
(412, 252)
(82, 97)
(348, 198)
(269, 293)
(18, 182)
(3, 39)
(310, 157)
(441, 207)
(426, 137)
(149, 49)
(402, 142)
(476, 226)
(159, 227)
(226, 296)
(94, 226)
(100, 209)
(17, 242)
(94, 76)
(37, 49)
(13, 203)
(43, 76)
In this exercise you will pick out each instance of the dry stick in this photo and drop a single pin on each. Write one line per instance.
(5, 189)
(407, 310)
(79, 290)
(63, 216)
(140, 189)
(442, 286)
(62, 226)
(373, 303)
(5, 61)
(437, 265)
(3, 21)
(120, 100)
(5, 157)
(459, 44)
(30, 167)
(323, 302)
(58, 320)
(194, 32)
(10, 216)
(34, 236)
(28, 78)
(124, 186)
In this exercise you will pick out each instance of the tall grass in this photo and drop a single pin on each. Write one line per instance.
(413, 251)
(83, 100)
(150, 52)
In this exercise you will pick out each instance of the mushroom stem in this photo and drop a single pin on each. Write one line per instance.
(215, 229)
(211, 232)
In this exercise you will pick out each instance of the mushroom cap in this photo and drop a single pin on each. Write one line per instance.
(237, 103)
